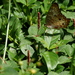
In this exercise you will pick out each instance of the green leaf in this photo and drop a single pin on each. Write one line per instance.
(51, 60)
(65, 73)
(42, 41)
(46, 4)
(71, 8)
(67, 49)
(12, 64)
(15, 27)
(9, 71)
(19, 14)
(73, 45)
(72, 31)
(52, 36)
(53, 73)
(63, 59)
(21, 1)
(25, 48)
(0, 23)
(39, 73)
(33, 30)
(66, 2)
(36, 6)
(12, 53)
(29, 2)
(69, 14)
(67, 38)
(43, 9)
(24, 65)
(1, 46)
(59, 68)
(9, 68)
(24, 73)
(41, 30)
(59, 43)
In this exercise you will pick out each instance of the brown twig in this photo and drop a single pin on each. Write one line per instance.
(28, 54)
(38, 20)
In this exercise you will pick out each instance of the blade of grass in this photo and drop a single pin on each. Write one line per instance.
(6, 41)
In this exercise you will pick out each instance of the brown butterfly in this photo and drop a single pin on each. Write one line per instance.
(55, 19)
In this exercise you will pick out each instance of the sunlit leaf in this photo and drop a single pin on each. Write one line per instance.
(63, 60)
(53, 73)
(51, 60)
(21, 1)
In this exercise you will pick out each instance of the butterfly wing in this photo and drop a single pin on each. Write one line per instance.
(55, 19)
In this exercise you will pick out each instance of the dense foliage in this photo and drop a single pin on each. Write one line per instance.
(28, 48)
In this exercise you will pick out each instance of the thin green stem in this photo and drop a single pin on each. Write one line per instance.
(6, 41)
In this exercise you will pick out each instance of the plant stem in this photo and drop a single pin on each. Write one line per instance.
(6, 41)
(38, 20)
(28, 57)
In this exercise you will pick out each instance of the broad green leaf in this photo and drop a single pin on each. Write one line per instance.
(12, 53)
(29, 2)
(59, 43)
(4, 11)
(54, 39)
(43, 9)
(21, 1)
(71, 31)
(65, 73)
(69, 14)
(69, 38)
(41, 30)
(24, 73)
(36, 6)
(24, 65)
(73, 45)
(12, 64)
(52, 36)
(33, 30)
(53, 73)
(59, 68)
(39, 73)
(9, 68)
(25, 48)
(15, 27)
(67, 49)
(71, 8)
(66, 2)
(42, 41)
(24, 41)
(19, 14)
(63, 59)
(46, 4)
(11, 45)
(51, 60)
(9, 71)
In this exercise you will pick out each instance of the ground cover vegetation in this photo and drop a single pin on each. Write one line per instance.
(27, 47)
